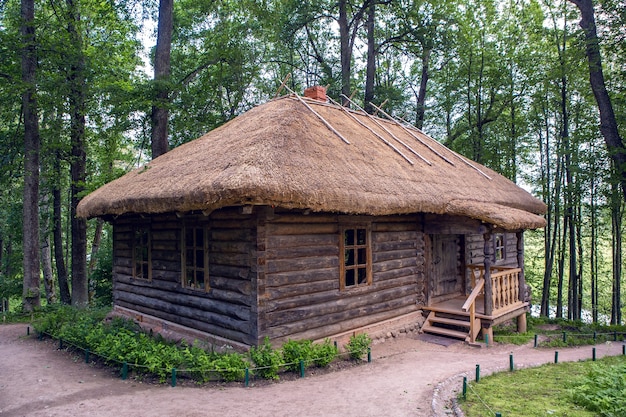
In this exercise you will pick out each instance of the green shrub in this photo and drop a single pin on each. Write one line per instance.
(324, 353)
(230, 366)
(266, 359)
(295, 351)
(602, 391)
(358, 345)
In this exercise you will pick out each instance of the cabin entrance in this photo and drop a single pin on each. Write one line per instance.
(447, 267)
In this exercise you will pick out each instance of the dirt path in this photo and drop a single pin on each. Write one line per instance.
(407, 377)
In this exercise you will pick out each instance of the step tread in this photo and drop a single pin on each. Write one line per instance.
(446, 332)
(449, 321)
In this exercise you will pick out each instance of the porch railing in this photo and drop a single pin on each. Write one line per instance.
(504, 284)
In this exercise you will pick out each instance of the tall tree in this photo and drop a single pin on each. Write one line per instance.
(78, 162)
(31, 287)
(162, 71)
(608, 121)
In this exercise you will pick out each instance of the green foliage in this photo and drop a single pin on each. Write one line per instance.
(602, 390)
(358, 345)
(230, 366)
(295, 351)
(324, 353)
(582, 389)
(266, 359)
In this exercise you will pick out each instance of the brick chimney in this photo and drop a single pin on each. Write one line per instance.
(316, 92)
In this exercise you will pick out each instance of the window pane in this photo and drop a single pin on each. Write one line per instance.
(362, 256)
(200, 259)
(349, 257)
(200, 279)
(349, 237)
(189, 254)
(199, 238)
(350, 277)
(362, 273)
(361, 237)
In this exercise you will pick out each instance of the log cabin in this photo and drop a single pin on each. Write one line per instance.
(303, 219)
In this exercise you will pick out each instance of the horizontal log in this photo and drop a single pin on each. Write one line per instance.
(282, 334)
(393, 227)
(444, 224)
(171, 255)
(378, 257)
(329, 302)
(345, 317)
(297, 277)
(393, 264)
(230, 259)
(392, 274)
(165, 235)
(301, 264)
(235, 335)
(229, 213)
(408, 236)
(304, 218)
(302, 252)
(301, 229)
(230, 235)
(237, 272)
(297, 290)
(230, 247)
(188, 299)
(395, 245)
(292, 241)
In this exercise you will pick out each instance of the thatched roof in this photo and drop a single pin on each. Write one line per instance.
(282, 154)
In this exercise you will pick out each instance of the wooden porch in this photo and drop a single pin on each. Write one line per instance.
(464, 316)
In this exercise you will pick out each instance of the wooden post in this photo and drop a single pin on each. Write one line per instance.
(520, 264)
(487, 262)
(521, 320)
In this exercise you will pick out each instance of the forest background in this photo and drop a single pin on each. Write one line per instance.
(521, 86)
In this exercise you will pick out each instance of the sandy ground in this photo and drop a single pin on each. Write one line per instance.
(407, 377)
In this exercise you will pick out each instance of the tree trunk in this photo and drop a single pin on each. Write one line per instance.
(420, 109)
(593, 261)
(608, 122)
(57, 233)
(46, 252)
(371, 60)
(616, 221)
(76, 81)
(162, 71)
(30, 215)
(345, 49)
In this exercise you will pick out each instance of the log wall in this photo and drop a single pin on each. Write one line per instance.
(475, 250)
(299, 294)
(226, 310)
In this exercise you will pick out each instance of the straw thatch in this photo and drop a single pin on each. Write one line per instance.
(282, 154)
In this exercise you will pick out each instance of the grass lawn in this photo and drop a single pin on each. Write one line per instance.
(573, 389)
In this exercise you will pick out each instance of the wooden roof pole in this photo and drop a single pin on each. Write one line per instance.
(369, 116)
(346, 111)
(454, 153)
(412, 134)
(328, 125)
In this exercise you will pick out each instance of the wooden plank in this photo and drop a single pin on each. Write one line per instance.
(301, 252)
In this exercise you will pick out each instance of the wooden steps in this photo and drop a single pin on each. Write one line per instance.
(450, 324)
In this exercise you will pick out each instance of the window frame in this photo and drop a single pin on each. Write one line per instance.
(499, 250)
(145, 231)
(183, 256)
(356, 265)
